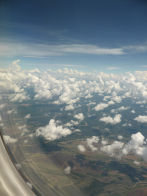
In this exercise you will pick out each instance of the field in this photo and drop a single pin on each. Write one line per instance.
(43, 163)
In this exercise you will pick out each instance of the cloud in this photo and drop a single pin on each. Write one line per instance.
(136, 163)
(117, 99)
(79, 116)
(133, 111)
(81, 148)
(112, 68)
(91, 141)
(15, 65)
(120, 137)
(23, 129)
(28, 116)
(68, 86)
(142, 119)
(136, 48)
(67, 170)
(52, 131)
(11, 111)
(19, 97)
(135, 144)
(122, 108)
(2, 106)
(113, 149)
(101, 106)
(44, 50)
(145, 66)
(110, 120)
(69, 107)
(9, 140)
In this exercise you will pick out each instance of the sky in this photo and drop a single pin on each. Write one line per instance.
(96, 35)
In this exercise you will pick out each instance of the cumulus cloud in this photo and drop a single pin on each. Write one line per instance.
(117, 99)
(122, 108)
(101, 106)
(91, 141)
(79, 116)
(110, 120)
(2, 106)
(15, 65)
(113, 149)
(67, 170)
(68, 86)
(81, 148)
(136, 162)
(69, 107)
(120, 137)
(133, 111)
(9, 140)
(137, 145)
(142, 119)
(19, 97)
(28, 116)
(127, 125)
(52, 131)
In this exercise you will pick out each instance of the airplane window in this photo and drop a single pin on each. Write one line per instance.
(73, 98)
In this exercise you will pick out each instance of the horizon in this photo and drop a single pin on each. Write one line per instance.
(91, 36)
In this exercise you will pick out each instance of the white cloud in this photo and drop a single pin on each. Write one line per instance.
(104, 142)
(113, 149)
(2, 106)
(28, 116)
(136, 48)
(15, 65)
(120, 137)
(136, 162)
(112, 68)
(135, 144)
(91, 141)
(52, 131)
(101, 106)
(11, 111)
(9, 140)
(81, 148)
(69, 107)
(19, 97)
(142, 119)
(42, 50)
(122, 108)
(79, 116)
(67, 170)
(133, 111)
(126, 125)
(110, 120)
(117, 99)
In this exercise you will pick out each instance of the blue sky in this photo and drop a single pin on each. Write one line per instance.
(100, 35)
